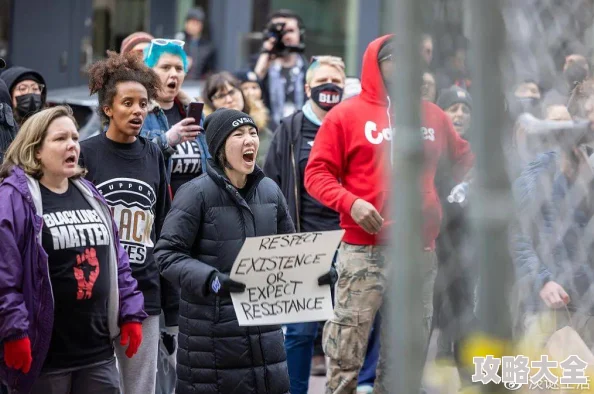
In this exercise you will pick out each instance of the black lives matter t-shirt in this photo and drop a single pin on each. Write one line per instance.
(314, 216)
(131, 177)
(77, 243)
(186, 164)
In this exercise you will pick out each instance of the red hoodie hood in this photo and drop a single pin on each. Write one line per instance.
(372, 83)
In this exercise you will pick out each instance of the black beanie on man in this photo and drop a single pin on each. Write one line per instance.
(453, 95)
(220, 124)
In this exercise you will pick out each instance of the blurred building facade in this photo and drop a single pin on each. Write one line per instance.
(61, 38)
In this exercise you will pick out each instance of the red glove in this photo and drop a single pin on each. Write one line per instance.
(17, 354)
(131, 332)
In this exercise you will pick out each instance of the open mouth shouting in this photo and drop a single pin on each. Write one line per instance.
(71, 160)
(249, 157)
(135, 123)
(172, 85)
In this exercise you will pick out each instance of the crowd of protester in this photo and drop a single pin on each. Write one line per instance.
(123, 243)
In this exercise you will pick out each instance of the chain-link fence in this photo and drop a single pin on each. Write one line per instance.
(516, 247)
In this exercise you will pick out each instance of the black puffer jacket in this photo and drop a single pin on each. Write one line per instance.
(204, 231)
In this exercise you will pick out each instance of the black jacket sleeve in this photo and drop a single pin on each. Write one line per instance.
(178, 235)
(169, 292)
(284, 222)
(272, 165)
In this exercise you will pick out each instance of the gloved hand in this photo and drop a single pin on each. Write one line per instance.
(131, 332)
(329, 278)
(221, 283)
(17, 354)
(168, 336)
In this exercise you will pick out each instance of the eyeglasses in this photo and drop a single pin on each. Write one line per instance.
(35, 88)
(221, 96)
(163, 42)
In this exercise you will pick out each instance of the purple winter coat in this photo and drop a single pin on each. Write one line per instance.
(26, 299)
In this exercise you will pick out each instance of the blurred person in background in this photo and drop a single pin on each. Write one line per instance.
(251, 86)
(352, 88)
(136, 42)
(454, 285)
(457, 104)
(66, 288)
(527, 95)
(180, 138)
(342, 177)
(552, 242)
(27, 89)
(285, 164)
(223, 90)
(281, 65)
(201, 52)
(575, 70)
(427, 50)
(129, 171)
(8, 126)
(455, 71)
(428, 88)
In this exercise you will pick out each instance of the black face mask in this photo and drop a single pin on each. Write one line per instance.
(326, 96)
(28, 104)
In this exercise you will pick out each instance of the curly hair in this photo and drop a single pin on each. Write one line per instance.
(104, 76)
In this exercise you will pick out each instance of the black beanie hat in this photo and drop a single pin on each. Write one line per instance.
(454, 95)
(220, 124)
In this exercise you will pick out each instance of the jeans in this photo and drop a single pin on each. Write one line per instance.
(367, 373)
(299, 344)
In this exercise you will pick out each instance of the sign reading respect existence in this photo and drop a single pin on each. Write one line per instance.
(281, 276)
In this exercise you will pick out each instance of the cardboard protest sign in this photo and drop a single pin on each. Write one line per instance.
(281, 277)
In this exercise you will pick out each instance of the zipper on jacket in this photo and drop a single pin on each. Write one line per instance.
(217, 308)
(296, 190)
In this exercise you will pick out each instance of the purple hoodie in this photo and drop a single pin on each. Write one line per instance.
(26, 299)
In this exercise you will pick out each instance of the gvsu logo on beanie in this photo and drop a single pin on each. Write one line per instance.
(241, 121)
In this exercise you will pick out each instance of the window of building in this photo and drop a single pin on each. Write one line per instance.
(113, 20)
(5, 11)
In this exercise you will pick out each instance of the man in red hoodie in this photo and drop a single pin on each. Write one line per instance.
(348, 171)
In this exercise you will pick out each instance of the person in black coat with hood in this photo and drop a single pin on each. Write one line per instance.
(27, 91)
(8, 127)
(209, 220)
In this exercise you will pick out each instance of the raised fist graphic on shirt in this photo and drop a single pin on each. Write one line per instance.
(86, 271)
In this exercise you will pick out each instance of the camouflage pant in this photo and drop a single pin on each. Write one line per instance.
(362, 277)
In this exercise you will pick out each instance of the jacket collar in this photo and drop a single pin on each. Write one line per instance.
(182, 100)
(220, 178)
(29, 188)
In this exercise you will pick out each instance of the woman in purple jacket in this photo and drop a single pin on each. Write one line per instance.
(66, 290)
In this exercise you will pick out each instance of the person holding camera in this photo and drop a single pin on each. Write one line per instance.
(281, 65)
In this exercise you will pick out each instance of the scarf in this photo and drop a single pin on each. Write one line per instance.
(310, 114)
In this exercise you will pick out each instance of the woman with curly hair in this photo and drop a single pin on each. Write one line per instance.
(66, 288)
(129, 171)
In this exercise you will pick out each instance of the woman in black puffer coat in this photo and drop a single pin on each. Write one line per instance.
(209, 220)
